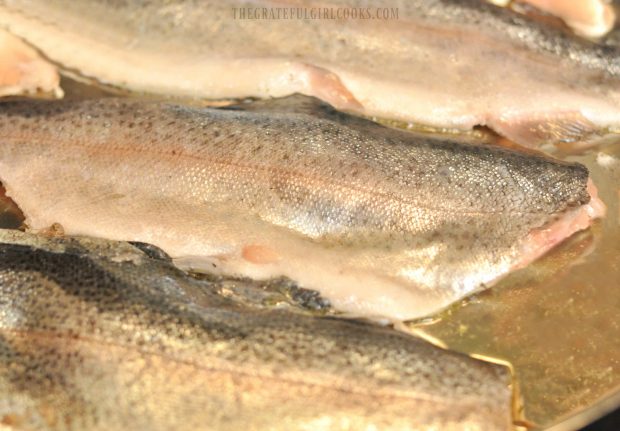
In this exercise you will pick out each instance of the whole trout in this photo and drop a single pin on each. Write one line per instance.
(443, 63)
(96, 335)
(382, 222)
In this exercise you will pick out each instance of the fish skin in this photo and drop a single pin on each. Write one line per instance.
(96, 335)
(494, 67)
(293, 188)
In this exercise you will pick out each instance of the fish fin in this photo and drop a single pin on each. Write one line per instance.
(536, 130)
(321, 92)
(326, 85)
(24, 72)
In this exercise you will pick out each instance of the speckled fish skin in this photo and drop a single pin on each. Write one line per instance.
(96, 335)
(443, 63)
(384, 223)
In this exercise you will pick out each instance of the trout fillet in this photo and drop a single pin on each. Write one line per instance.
(382, 222)
(96, 335)
(442, 63)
